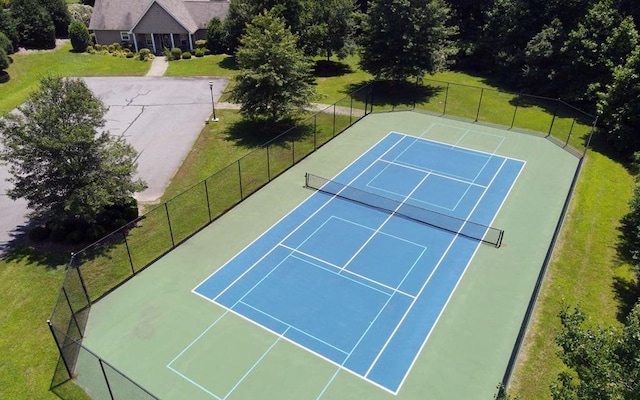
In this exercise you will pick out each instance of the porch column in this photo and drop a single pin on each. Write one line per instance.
(135, 42)
(172, 43)
(190, 43)
(153, 43)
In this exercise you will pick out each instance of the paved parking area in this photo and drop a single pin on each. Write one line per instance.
(161, 117)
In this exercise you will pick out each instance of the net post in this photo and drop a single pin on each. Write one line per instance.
(499, 242)
(553, 119)
(306, 179)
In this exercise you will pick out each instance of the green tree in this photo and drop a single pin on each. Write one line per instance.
(331, 28)
(60, 16)
(215, 36)
(8, 27)
(6, 44)
(606, 361)
(34, 24)
(79, 36)
(296, 14)
(407, 38)
(602, 40)
(275, 78)
(619, 107)
(59, 160)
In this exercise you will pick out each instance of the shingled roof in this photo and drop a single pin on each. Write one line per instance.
(123, 15)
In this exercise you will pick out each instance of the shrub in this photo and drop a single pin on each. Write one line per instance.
(39, 233)
(116, 46)
(176, 53)
(98, 47)
(207, 52)
(199, 52)
(215, 36)
(201, 44)
(144, 54)
(5, 43)
(111, 48)
(186, 55)
(129, 54)
(79, 36)
(4, 60)
(91, 50)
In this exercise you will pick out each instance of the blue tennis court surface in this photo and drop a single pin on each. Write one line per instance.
(357, 286)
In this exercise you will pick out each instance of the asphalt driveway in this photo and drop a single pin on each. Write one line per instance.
(161, 117)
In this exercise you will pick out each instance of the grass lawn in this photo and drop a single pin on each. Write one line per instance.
(27, 70)
(585, 272)
(29, 284)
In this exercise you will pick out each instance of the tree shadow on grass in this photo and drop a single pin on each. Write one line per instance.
(329, 68)
(253, 134)
(626, 292)
(229, 62)
(392, 93)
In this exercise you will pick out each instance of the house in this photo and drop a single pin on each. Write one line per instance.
(154, 24)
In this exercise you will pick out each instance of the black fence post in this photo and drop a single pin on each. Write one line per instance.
(269, 164)
(515, 110)
(126, 246)
(55, 339)
(553, 119)
(84, 287)
(350, 110)
(446, 98)
(479, 104)
(315, 132)
(573, 122)
(206, 193)
(106, 379)
(240, 180)
(334, 119)
(73, 312)
(293, 152)
(166, 209)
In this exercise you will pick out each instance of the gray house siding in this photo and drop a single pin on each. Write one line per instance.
(107, 37)
(158, 17)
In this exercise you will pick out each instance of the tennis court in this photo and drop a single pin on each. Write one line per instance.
(356, 285)
(346, 289)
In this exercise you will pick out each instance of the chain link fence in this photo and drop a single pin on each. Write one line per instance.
(105, 265)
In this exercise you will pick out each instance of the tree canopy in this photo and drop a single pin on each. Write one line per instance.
(275, 78)
(407, 38)
(605, 360)
(59, 160)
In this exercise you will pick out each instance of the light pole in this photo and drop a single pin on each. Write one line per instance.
(213, 104)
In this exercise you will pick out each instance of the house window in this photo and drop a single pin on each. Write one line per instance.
(147, 39)
(124, 36)
(184, 41)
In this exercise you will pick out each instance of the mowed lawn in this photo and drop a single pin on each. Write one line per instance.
(585, 270)
(27, 70)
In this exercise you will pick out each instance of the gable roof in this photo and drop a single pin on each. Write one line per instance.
(124, 15)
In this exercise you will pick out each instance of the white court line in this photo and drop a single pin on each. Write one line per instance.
(289, 326)
(293, 230)
(347, 271)
(384, 223)
(436, 173)
(460, 278)
(446, 252)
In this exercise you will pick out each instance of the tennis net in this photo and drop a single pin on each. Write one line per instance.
(462, 227)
